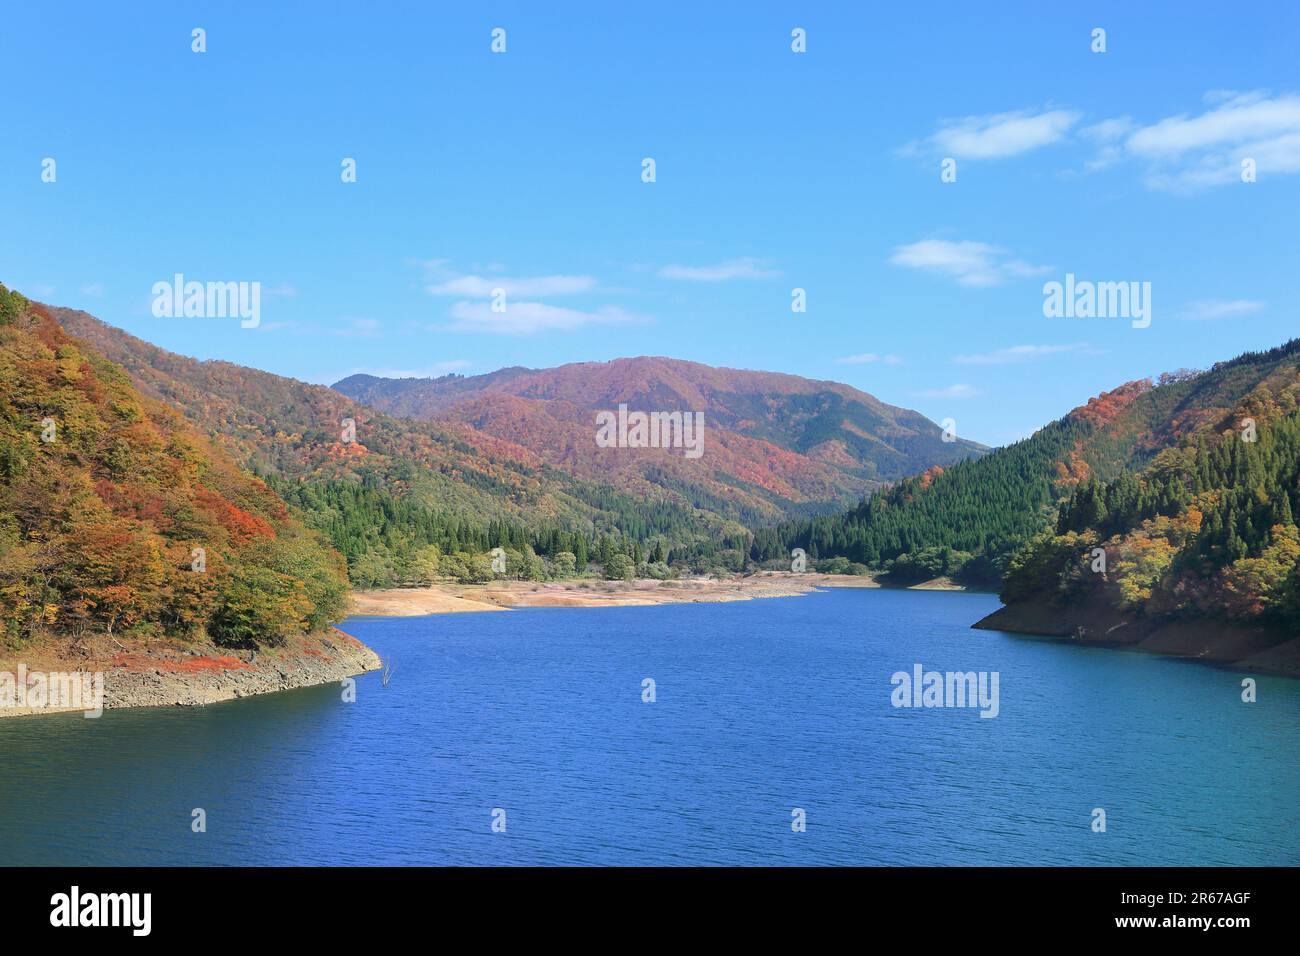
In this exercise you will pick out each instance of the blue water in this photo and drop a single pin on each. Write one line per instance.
(761, 707)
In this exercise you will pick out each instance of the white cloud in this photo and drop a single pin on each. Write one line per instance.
(1189, 152)
(1244, 118)
(1107, 131)
(1108, 135)
(95, 290)
(1209, 309)
(1016, 353)
(535, 286)
(525, 318)
(950, 391)
(996, 135)
(869, 358)
(968, 263)
(743, 268)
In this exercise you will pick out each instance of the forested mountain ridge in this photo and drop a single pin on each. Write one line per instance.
(1207, 529)
(119, 517)
(969, 519)
(471, 482)
(392, 487)
(778, 443)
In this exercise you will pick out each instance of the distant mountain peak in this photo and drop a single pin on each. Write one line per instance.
(808, 442)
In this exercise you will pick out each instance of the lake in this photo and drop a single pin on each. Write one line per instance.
(535, 720)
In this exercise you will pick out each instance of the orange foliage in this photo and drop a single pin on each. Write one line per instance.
(243, 527)
(928, 476)
(1107, 406)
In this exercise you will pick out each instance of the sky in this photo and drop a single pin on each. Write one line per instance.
(774, 170)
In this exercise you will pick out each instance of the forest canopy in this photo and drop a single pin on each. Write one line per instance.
(117, 516)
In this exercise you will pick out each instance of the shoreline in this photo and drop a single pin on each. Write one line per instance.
(449, 598)
(1239, 647)
(175, 674)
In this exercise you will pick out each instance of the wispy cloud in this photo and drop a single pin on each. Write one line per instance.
(1186, 152)
(1016, 353)
(968, 263)
(1205, 310)
(743, 268)
(995, 135)
(446, 281)
(531, 286)
(949, 391)
(479, 307)
(94, 290)
(869, 358)
(526, 318)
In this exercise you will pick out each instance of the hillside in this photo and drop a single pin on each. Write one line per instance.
(776, 445)
(968, 520)
(395, 487)
(119, 518)
(501, 469)
(1206, 531)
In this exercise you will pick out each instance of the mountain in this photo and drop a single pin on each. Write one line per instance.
(775, 445)
(481, 477)
(389, 487)
(971, 518)
(1207, 530)
(118, 517)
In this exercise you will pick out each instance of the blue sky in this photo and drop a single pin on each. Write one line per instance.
(774, 170)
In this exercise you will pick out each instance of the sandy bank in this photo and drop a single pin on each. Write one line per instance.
(1096, 624)
(166, 673)
(496, 596)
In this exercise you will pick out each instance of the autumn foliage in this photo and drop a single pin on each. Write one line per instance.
(1208, 528)
(117, 516)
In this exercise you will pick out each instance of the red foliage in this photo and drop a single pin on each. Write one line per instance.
(132, 501)
(243, 527)
(193, 665)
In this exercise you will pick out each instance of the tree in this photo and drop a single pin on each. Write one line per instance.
(619, 567)
(259, 606)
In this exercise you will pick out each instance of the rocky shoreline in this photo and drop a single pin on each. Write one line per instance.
(1096, 624)
(171, 674)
